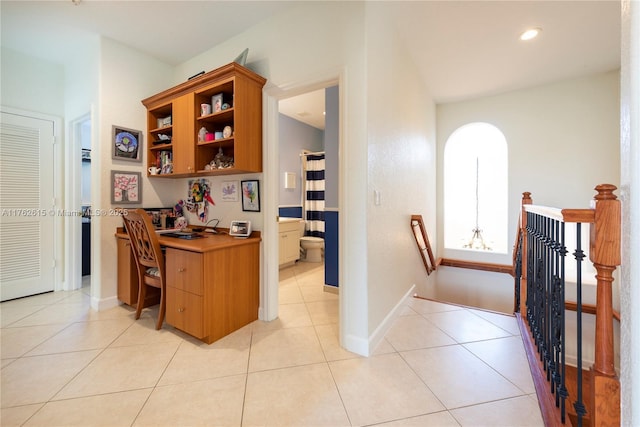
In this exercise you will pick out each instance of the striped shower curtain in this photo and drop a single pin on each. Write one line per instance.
(314, 195)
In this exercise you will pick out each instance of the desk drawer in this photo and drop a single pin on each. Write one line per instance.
(184, 311)
(184, 270)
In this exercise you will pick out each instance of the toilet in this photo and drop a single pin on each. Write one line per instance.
(312, 247)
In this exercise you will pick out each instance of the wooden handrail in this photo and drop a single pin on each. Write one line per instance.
(475, 265)
(588, 308)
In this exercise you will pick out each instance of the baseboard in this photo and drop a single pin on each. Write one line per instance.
(384, 326)
(100, 304)
(356, 345)
(331, 289)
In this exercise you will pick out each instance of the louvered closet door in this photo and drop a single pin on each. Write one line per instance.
(26, 201)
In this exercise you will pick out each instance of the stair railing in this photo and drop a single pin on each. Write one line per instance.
(539, 270)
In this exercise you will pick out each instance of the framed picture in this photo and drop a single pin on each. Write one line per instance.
(230, 191)
(126, 187)
(250, 196)
(127, 144)
(216, 103)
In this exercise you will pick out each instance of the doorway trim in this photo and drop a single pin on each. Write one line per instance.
(73, 223)
(269, 307)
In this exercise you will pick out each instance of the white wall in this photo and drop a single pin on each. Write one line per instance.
(630, 196)
(401, 167)
(120, 93)
(562, 140)
(32, 84)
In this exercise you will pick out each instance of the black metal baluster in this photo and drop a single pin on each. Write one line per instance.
(531, 251)
(518, 270)
(547, 297)
(539, 313)
(553, 302)
(579, 255)
(562, 391)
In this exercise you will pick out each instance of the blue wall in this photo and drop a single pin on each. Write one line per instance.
(290, 211)
(295, 136)
(332, 174)
(331, 248)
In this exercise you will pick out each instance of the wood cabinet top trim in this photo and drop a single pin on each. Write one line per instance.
(204, 80)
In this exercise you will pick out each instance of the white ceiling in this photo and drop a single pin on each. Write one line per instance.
(307, 108)
(463, 49)
(467, 49)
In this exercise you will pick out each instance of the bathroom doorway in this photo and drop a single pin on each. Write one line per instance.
(78, 189)
(308, 126)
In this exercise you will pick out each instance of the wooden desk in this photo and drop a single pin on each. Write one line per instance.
(212, 282)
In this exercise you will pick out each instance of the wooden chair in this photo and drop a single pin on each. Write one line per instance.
(148, 257)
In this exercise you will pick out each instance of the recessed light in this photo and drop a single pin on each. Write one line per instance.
(531, 33)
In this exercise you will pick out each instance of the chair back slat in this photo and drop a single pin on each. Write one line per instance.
(147, 253)
(144, 240)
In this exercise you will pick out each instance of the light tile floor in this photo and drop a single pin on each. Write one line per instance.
(441, 365)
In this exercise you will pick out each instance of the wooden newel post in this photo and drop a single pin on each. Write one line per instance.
(526, 200)
(604, 253)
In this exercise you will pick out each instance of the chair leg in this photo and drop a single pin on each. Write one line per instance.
(161, 311)
(142, 291)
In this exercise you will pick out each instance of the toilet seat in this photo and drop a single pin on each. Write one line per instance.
(311, 239)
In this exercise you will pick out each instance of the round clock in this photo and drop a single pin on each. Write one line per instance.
(226, 132)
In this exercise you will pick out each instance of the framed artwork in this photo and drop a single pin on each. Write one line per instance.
(127, 144)
(230, 191)
(250, 196)
(126, 187)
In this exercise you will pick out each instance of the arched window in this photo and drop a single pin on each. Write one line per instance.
(476, 189)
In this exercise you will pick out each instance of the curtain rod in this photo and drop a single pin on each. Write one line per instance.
(311, 154)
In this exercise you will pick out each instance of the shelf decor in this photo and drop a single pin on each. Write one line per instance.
(250, 196)
(127, 144)
(125, 187)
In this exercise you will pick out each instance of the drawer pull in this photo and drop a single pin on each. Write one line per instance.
(182, 270)
(181, 309)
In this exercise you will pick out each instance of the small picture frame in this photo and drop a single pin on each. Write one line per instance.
(216, 103)
(250, 196)
(230, 191)
(126, 187)
(127, 144)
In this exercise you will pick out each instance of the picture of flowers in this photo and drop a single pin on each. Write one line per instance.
(230, 191)
(125, 187)
(127, 144)
(250, 196)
